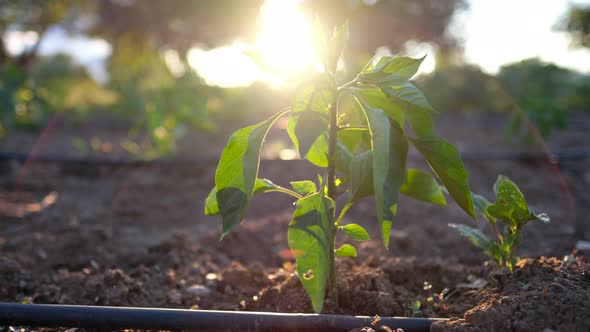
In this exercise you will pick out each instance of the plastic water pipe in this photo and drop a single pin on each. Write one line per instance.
(50, 315)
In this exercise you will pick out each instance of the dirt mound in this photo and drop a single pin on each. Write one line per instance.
(545, 294)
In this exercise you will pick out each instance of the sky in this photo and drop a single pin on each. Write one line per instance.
(494, 32)
(494, 35)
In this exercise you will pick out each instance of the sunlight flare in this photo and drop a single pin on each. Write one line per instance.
(286, 40)
(282, 51)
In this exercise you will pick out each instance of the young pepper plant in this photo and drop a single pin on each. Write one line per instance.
(356, 133)
(512, 211)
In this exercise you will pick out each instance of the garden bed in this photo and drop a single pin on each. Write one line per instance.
(136, 236)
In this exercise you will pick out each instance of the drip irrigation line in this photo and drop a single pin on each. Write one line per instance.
(104, 161)
(569, 154)
(50, 315)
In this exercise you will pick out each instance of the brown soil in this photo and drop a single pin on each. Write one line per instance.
(540, 295)
(137, 236)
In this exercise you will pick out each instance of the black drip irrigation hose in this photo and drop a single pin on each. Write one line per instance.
(569, 154)
(52, 315)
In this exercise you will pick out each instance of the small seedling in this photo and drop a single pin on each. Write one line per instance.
(512, 211)
(357, 134)
(415, 307)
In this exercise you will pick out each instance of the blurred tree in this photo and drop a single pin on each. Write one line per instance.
(577, 23)
(51, 84)
(139, 31)
(464, 88)
(391, 23)
(66, 86)
(23, 103)
(30, 15)
(20, 105)
(159, 104)
(544, 92)
(176, 24)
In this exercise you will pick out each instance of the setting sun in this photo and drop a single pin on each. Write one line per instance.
(283, 48)
(285, 41)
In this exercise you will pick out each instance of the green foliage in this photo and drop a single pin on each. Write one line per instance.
(238, 170)
(422, 186)
(577, 23)
(355, 232)
(446, 162)
(21, 105)
(415, 307)
(535, 94)
(542, 92)
(51, 85)
(67, 86)
(510, 209)
(346, 250)
(161, 106)
(311, 239)
(464, 88)
(356, 132)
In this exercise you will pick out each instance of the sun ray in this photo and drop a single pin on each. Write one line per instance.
(285, 41)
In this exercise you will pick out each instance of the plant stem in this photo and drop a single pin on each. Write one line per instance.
(286, 191)
(342, 213)
(333, 137)
(354, 128)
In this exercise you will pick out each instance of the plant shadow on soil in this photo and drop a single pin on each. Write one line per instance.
(136, 236)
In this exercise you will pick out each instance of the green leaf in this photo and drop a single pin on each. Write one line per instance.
(361, 176)
(310, 113)
(474, 235)
(397, 97)
(404, 67)
(372, 97)
(512, 239)
(211, 207)
(304, 129)
(421, 123)
(391, 75)
(390, 149)
(510, 202)
(511, 206)
(355, 139)
(237, 172)
(482, 204)
(318, 153)
(335, 46)
(310, 236)
(304, 187)
(407, 96)
(391, 68)
(261, 186)
(302, 97)
(422, 186)
(346, 250)
(374, 66)
(343, 158)
(264, 186)
(496, 251)
(355, 232)
(445, 161)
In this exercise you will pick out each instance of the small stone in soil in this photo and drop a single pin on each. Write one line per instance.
(198, 290)
(174, 297)
(211, 280)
